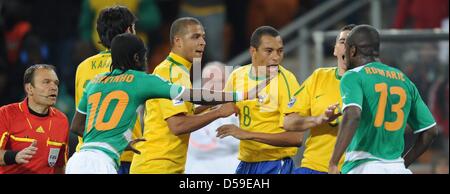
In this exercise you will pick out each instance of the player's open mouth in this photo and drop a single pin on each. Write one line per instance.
(199, 51)
(52, 96)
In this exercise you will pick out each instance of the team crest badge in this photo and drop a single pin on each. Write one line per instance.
(292, 102)
(261, 98)
(53, 156)
(177, 102)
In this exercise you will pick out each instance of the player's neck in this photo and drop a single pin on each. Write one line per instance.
(341, 70)
(181, 54)
(258, 70)
(37, 109)
(366, 60)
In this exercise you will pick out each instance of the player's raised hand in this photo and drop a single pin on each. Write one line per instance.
(24, 156)
(227, 109)
(130, 146)
(330, 113)
(232, 130)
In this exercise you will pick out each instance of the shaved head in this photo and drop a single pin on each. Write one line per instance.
(366, 39)
(179, 26)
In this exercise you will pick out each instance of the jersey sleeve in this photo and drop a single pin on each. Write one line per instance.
(82, 106)
(158, 87)
(230, 85)
(3, 127)
(420, 117)
(168, 107)
(287, 97)
(64, 153)
(302, 101)
(351, 90)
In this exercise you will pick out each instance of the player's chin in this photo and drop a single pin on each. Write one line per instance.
(198, 54)
(51, 101)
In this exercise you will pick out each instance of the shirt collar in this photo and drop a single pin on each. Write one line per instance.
(23, 106)
(179, 60)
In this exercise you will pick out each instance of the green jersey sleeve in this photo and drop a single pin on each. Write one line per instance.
(420, 117)
(351, 90)
(157, 87)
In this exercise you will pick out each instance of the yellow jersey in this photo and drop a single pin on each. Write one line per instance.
(86, 71)
(320, 90)
(164, 152)
(264, 114)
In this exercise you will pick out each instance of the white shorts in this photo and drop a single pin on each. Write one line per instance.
(378, 167)
(90, 162)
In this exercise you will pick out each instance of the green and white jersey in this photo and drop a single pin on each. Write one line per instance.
(110, 103)
(388, 101)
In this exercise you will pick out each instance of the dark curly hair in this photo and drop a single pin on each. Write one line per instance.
(113, 21)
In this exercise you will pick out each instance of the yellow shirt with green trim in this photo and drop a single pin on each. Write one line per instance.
(320, 90)
(86, 71)
(264, 114)
(164, 152)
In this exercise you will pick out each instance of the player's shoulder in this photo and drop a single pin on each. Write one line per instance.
(325, 71)
(352, 73)
(163, 68)
(89, 60)
(59, 115)
(285, 72)
(144, 75)
(242, 69)
(137, 73)
(10, 109)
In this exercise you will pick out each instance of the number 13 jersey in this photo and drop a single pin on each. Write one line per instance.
(388, 101)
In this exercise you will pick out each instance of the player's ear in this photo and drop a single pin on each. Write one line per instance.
(177, 41)
(252, 50)
(28, 88)
(131, 29)
(136, 58)
(353, 51)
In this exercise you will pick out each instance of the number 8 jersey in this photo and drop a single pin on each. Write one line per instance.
(388, 101)
(110, 102)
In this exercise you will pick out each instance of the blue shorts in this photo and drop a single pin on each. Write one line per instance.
(303, 170)
(284, 166)
(124, 168)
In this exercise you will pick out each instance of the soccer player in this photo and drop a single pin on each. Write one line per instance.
(111, 21)
(33, 134)
(168, 123)
(378, 102)
(265, 146)
(109, 102)
(319, 91)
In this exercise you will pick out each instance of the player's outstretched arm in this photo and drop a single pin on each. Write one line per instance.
(78, 123)
(422, 143)
(212, 97)
(295, 122)
(181, 124)
(23, 156)
(350, 122)
(283, 139)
